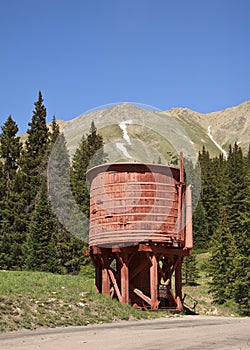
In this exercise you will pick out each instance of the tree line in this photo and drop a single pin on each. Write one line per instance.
(31, 236)
(221, 224)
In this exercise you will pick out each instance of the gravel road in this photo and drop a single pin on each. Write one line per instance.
(175, 333)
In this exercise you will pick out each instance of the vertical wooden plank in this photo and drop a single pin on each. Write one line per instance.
(105, 276)
(189, 233)
(125, 279)
(154, 282)
(181, 168)
(178, 284)
(114, 281)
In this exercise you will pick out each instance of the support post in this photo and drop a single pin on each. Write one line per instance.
(154, 282)
(125, 279)
(178, 285)
(189, 233)
(105, 277)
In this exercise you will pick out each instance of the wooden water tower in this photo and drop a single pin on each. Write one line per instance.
(140, 231)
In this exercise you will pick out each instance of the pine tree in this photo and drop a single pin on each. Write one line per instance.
(71, 222)
(2, 184)
(95, 150)
(35, 154)
(221, 267)
(89, 153)
(210, 191)
(55, 131)
(10, 148)
(42, 253)
(200, 228)
(190, 271)
(241, 284)
(12, 224)
(237, 190)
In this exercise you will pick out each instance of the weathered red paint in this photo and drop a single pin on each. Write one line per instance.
(140, 230)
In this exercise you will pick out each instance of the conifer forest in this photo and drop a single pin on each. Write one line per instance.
(32, 238)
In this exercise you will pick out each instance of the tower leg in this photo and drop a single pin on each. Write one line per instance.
(125, 279)
(178, 285)
(105, 277)
(98, 276)
(154, 282)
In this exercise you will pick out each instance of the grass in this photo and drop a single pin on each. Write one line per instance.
(199, 299)
(37, 299)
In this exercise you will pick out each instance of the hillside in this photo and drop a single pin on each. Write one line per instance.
(38, 299)
(133, 133)
(226, 126)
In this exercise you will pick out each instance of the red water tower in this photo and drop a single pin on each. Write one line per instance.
(140, 231)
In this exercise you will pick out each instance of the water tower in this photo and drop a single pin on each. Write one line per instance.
(140, 231)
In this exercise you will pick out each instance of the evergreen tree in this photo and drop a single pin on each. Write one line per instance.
(210, 192)
(2, 184)
(221, 268)
(241, 284)
(35, 154)
(12, 223)
(42, 253)
(189, 269)
(71, 223)
(12, 232)
(200, 228)
(237, 190)
(89, 153)
(78, 176)
(55, 130)
(10, 148)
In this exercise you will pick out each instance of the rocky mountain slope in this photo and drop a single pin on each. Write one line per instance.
(224, 127)
(134, 133)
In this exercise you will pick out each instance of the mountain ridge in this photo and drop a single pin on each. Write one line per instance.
(214, 130)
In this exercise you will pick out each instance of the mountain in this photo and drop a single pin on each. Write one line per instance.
(135, 133)
(225, 127)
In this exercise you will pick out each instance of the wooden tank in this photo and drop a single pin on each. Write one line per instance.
(140, 230)
(132, 203)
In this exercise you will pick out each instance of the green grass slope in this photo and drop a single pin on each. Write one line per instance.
(36, 299)
(29, 300)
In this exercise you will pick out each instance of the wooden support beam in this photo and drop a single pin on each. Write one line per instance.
(179, 218)
(173, 268)
(154, 282)
(105, 282)
(105, 275)
(172, 297)
(178, 285)
(124, 271)
(142, 296)
(115, 285)
(189, 234)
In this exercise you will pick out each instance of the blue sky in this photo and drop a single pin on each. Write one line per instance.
(85, 53)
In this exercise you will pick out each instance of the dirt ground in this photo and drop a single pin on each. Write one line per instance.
(175, 333)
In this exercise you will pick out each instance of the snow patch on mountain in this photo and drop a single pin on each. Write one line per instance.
(122, 147)
(123, 126)
(216, 144)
